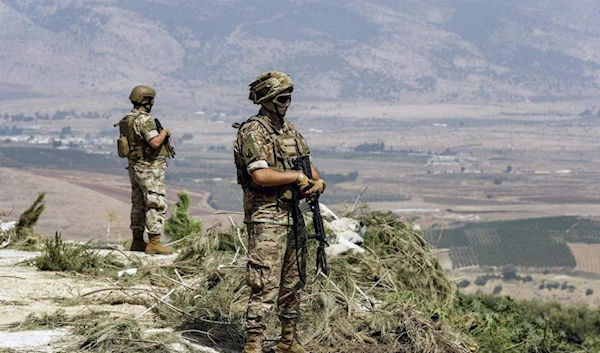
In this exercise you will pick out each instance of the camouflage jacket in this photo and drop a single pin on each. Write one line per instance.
(144, 129)
(261, 144)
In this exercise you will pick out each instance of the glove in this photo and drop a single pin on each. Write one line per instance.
(316, 187)
(302, 181)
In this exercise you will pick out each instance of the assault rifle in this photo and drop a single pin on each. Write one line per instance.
(303, 164)
(167, 142)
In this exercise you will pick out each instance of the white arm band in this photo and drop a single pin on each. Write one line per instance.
(262, 164)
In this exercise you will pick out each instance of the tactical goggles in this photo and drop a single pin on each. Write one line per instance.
(283, 98)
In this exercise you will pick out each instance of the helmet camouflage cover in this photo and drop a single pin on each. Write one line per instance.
(140, 94)
(268, 85)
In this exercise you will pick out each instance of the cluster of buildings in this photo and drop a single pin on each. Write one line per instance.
(96, 145)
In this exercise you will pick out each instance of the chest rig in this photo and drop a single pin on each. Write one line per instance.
(132, 146)
(286, 146)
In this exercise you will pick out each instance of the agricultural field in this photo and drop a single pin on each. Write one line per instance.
(535, 242)
(27, 156)
(587, 257)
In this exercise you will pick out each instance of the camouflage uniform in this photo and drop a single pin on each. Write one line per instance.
(147, 176)
(273, 271)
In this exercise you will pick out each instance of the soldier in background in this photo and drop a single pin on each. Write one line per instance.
(147, 152)
(265, 147)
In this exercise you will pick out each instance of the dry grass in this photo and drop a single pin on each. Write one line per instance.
(104, 333)
(388, 297)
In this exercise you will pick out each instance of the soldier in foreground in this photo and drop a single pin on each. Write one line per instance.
(146, 149)
(265, 148)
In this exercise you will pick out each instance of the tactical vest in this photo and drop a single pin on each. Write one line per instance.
(132, 146)
(286, 147)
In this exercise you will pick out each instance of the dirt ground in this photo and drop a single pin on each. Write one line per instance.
(79, 204)
(25, 290)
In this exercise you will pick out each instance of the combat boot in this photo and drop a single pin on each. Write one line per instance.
(155, 247)
(138, 243)
(288, 343)
(253, 343)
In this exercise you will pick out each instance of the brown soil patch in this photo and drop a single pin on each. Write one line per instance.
(78, 203)
(587, 257)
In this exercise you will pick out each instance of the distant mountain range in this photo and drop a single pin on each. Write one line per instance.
(429, 51)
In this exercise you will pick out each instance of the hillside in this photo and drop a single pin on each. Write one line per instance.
(395, 297)
(81, 205)
(87, 53)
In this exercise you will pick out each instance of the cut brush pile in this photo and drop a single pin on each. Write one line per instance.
(393, 297)
(390, 298)
(20, 234)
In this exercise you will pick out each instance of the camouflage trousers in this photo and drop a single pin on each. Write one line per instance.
(148, 197)
(273, 273)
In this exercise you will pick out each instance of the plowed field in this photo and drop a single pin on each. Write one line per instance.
(587, 257)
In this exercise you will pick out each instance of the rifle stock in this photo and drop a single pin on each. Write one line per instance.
(303, 164)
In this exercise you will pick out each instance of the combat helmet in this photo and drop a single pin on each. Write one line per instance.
(268, 85)
(142, 94)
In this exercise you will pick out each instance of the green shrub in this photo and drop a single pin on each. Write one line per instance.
(181, 224)
(481, 280)
(464, 283)
(501, 324)
(575, 324)
(509, 272)
(72, 257)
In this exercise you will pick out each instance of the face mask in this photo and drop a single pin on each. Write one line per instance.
(148, 105)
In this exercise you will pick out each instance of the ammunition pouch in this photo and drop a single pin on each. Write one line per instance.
(122, 147)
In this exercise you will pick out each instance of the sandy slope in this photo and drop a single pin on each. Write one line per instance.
(78, 204)
(75, 211)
